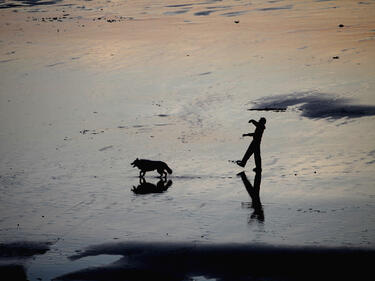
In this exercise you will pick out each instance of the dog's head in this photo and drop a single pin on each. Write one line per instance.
(135, 162)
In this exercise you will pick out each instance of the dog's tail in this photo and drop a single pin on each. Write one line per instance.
(169, 170)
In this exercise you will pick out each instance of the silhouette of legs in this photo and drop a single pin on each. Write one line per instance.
(248, 153)
(250, 150)
(254, 148)
(163, 174)
(258, 160)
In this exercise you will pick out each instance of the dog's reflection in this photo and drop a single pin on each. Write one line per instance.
(253, 191)
(145, 187)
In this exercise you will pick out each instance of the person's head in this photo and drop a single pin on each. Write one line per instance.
(262, 120)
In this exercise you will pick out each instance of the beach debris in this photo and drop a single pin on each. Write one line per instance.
(113, 19)
(236, 21)
(92, 132)
(341, 25)
(336, 57)
(84, 131)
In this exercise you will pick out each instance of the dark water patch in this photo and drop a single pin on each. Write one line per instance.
(26, 3)
(36, 11)
(66, 5)
(287, 7)
(364, 3)
(275, 109)
(204, 13)
(184, 261)
(211, 2)
(316, 105)
(8, 60)
(205, 73)
(367, 39)
(162, 124)
(348, 49)
(179, 5)
(234, 14)
(219, 7)
(106, 148)
(178, 12)
(192, 4)
(54, 64)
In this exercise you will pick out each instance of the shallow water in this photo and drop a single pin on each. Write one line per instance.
(87, 87)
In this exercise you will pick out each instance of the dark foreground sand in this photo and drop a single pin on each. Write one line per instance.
(14, 258)
(184, 261)
(188, 261)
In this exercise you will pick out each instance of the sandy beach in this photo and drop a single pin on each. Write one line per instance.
(89, 86)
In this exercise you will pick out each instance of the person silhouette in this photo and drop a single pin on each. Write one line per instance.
(254, 147)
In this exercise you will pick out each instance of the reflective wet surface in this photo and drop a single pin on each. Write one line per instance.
(89, 86)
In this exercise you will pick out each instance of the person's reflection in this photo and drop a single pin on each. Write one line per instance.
(146, 187)
(253, 191)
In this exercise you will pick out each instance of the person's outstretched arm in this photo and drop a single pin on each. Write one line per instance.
(254, 122)
(248, 135)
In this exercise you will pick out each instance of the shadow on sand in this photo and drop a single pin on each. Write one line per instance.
(184, 261)
(14, 257)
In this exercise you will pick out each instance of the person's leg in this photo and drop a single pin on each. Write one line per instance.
(258, 159)
(247, 155)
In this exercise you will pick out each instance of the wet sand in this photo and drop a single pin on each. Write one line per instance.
(89, 86)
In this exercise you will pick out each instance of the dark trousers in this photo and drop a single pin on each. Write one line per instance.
(254, 148)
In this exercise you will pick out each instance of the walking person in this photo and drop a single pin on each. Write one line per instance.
(254, 147)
